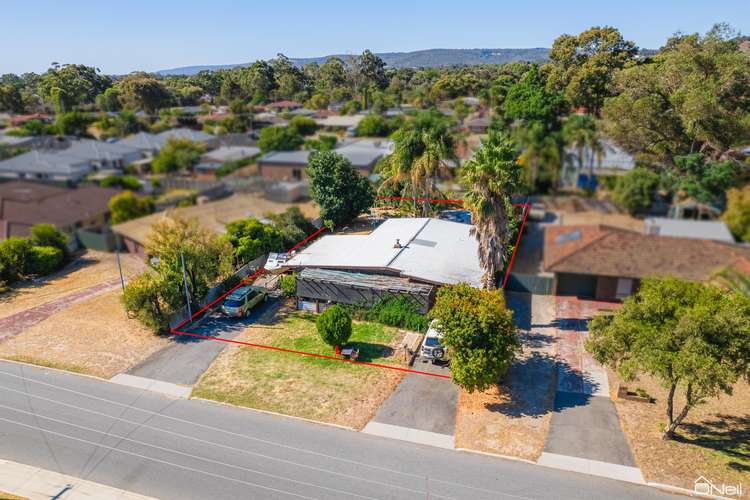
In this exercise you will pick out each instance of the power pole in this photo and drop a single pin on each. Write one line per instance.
(187, 292)
(119, 266)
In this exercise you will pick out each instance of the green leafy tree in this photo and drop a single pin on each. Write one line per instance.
(250, 239)
(292, 225)
(289, 79)
(177, 155)
(635, 190)
(692, 97)
(491, 177)
(334, 326)
(737, 214)
(142, 298)
(693, 338)
(582, 66)
(73, 123)
(479, 331)
(71, 85)
(279, 139)
(369, 73)
(304, 125)
(324, 142)
(142, 91)
(11, 98)
(340, 191)
(126, 206)
(109, 100)
(706, 181)
(373, 125)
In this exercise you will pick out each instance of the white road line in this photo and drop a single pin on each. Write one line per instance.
(156, 459)
(264, 441)
(188, 455)
(212, 443)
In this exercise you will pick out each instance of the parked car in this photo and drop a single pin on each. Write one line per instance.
(432, 347)
(242, 301)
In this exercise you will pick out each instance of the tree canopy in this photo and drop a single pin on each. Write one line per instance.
(337, 187)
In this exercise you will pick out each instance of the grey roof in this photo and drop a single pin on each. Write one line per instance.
(87, 149)
(698, 229)
(362, 154)
(146, 141)
(186, 133)
(49, 164)
(361, 280)
(230, 153)
(432, 250)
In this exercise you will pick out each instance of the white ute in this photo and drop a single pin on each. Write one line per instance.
(432, 348)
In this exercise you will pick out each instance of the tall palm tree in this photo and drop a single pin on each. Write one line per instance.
(491, 177)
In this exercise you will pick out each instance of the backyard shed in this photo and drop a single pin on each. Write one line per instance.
(328, 285)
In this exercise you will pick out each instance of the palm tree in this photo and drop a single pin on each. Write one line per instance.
(422, 149)
(491, 177)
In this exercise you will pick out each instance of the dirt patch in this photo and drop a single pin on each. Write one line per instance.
(319, 389)
(90, 269)
(94, 337)
(714, 442)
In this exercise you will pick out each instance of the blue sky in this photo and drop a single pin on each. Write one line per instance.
(126, 35)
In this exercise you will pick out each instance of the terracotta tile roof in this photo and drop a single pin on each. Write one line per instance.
(608, 251)
(23, 204)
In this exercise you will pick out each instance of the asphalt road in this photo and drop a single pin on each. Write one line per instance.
(184, 449)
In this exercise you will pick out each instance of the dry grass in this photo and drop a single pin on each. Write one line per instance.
(88, 270)
(10, 496)
(318, 389)
(714, 442)
(94, 337)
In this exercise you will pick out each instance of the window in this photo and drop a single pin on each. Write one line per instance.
(297, 174)
(624, 287)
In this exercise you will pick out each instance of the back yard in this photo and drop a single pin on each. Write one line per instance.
(320, 389)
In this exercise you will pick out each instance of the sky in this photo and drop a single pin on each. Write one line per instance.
(128, 35)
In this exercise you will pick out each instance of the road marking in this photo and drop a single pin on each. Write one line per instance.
(188, 455)
(409, 434)
(150, 384)
(213, 443)
(264, 441)
(592, 467)
(98, 445)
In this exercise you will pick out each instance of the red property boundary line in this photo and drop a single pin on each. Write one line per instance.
(176, 330)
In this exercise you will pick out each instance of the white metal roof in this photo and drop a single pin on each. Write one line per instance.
(432, 250)
(699, 229)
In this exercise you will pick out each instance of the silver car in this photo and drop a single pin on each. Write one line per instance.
(432, 347)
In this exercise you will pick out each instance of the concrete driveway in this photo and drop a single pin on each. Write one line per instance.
(422, 409)
(175, 368)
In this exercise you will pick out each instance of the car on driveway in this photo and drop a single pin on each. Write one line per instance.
(432, 347)
(241, 302)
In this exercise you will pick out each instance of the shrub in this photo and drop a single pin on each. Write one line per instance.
(126, 206)
(304, 125)
(279, 139)
(373, 125)
(401, 312)
(14, 256)
(635, 190)
(334, 326)
(288, 283)
(43, 260)
(47, 235)
(125, 181)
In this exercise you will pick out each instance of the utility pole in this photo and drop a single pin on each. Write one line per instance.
(187, 292)
(119, 266)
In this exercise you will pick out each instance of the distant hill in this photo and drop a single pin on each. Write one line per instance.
(415, 59)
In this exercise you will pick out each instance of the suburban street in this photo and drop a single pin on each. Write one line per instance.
(153, 445)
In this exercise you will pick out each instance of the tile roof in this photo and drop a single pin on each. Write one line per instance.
(609, 251)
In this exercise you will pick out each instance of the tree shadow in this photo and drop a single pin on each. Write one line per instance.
(520, 304)
(531, 387)
(567, 324)
(727, 434)
(369, 351)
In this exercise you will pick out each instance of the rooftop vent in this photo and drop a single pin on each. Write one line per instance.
(571, 236)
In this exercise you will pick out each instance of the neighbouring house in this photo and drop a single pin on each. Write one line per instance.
(686, 228)
(18, 120)
(281, 106)
(211, 161)
(608, 263)
(421, 250)
(72, 163)
(13, 141)
(478, 124)
(578, 164)
(692, 209)
(339, 121)
(290, 165)
(151, 144)
(212, 215)
(24, 204)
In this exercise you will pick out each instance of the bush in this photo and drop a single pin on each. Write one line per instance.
(373, 125)
(635, 190)
(47, 235)
(288, 283)
(14, 257)
(334, 326)
(279, 139)
(232, 166)
(126, 206)
(43, 260)
(125, 181)
(401, 312)
(304, 125)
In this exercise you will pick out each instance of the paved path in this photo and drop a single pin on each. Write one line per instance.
(585, 431)
(422, 409)
(150, 444)
(183, 361)
(11, 326)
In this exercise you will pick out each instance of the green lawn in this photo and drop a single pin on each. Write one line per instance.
(320, 389)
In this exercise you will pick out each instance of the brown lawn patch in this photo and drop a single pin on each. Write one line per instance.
(318, 389)
(714, 441)
(94, 337)
(91, 268)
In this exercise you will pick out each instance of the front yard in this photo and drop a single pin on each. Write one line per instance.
(319, 389)
(714, 442)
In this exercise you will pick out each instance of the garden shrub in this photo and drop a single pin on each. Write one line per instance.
(334, 326)
(44, 260)
(14, 256)
(288, 283)
(401, 312)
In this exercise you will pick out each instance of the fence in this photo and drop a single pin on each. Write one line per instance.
(530, 283)
(216, 292)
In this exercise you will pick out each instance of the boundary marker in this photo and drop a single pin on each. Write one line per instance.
(176, 330)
